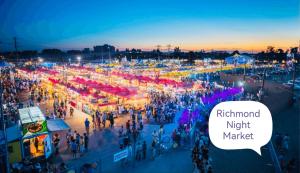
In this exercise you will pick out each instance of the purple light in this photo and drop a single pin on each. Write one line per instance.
(208, 101)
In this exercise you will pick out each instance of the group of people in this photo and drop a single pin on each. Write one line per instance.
(162, 107)
(99, 119)
(77, 143)
(282, 149)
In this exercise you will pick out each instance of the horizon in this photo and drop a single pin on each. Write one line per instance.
(191, 26)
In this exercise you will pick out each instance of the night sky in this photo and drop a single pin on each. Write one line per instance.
(190, 24)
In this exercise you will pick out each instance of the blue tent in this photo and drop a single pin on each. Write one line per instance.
(4, 64)
(48, 64)
(239, 59)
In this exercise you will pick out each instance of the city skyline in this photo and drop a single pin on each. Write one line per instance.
(214, 25)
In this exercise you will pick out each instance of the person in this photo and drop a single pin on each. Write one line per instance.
(141, 125)
(161, 132)
(129, 148)
(128, 125)
(71, 111)
(153, 145)
(104, 119)
(121, 131)
(155, 136)
(56, 142)
(195, 153)
(86, 141)
(138, 155)
(87, 125)
(82, 148)
(74, 148)
(99, 122)
(285, 143)
(36, 144)
(144, 150)
(77, 140)
(111, 120)
(94, 121)
(68, 138)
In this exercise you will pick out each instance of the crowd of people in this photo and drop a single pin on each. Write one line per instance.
(162, 107)
(282, 148)
(12, 85)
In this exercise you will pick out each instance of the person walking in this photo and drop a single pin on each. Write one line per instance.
(74, 148)
(144, 150)
(77, 140)
(86, 142)
(98, 119)
(82, 149)
(104, 119)
(153, 145)
(87, 125)
(111, 120)
(94, 121)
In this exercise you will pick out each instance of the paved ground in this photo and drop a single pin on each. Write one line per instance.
(103, 144)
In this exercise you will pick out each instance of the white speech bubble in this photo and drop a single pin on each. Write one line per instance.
(240, 125)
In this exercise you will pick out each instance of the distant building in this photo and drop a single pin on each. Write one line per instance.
(86, 51)
(74, 52)
(105, 49)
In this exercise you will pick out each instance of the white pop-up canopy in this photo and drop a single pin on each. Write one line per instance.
(57, 125)
(31, 114)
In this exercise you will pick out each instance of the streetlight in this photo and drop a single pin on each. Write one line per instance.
(40, 59)
(79, 59)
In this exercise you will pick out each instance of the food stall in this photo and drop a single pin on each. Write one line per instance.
(36, 141)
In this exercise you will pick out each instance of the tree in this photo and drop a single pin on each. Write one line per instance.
(294, 50)
(235, 52)
(280, 54)
(271, 53)
(177, 52)
(191, 57)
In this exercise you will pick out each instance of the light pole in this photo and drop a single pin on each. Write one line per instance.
(109, 55)
(41, 60)
(79, 59)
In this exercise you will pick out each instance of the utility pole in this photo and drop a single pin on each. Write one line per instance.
(158, 49)
(16, 47)
(169, 47)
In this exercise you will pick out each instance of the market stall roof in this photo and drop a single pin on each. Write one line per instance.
(48, 64)
(57, 125)
(31, 114)
(13, 133)
(4, 64)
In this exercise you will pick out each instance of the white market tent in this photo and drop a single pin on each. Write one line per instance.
(31, 114)
(239, 59)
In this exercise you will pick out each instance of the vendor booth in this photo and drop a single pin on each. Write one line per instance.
(36, 140)
(13, 144)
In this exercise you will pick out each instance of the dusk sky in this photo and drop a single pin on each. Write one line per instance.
(190, 24)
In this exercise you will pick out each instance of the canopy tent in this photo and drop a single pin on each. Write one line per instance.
(57, 125)
(31, 114)
(48, 64)
(4, 64)
(33, 122)
(239, 59)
